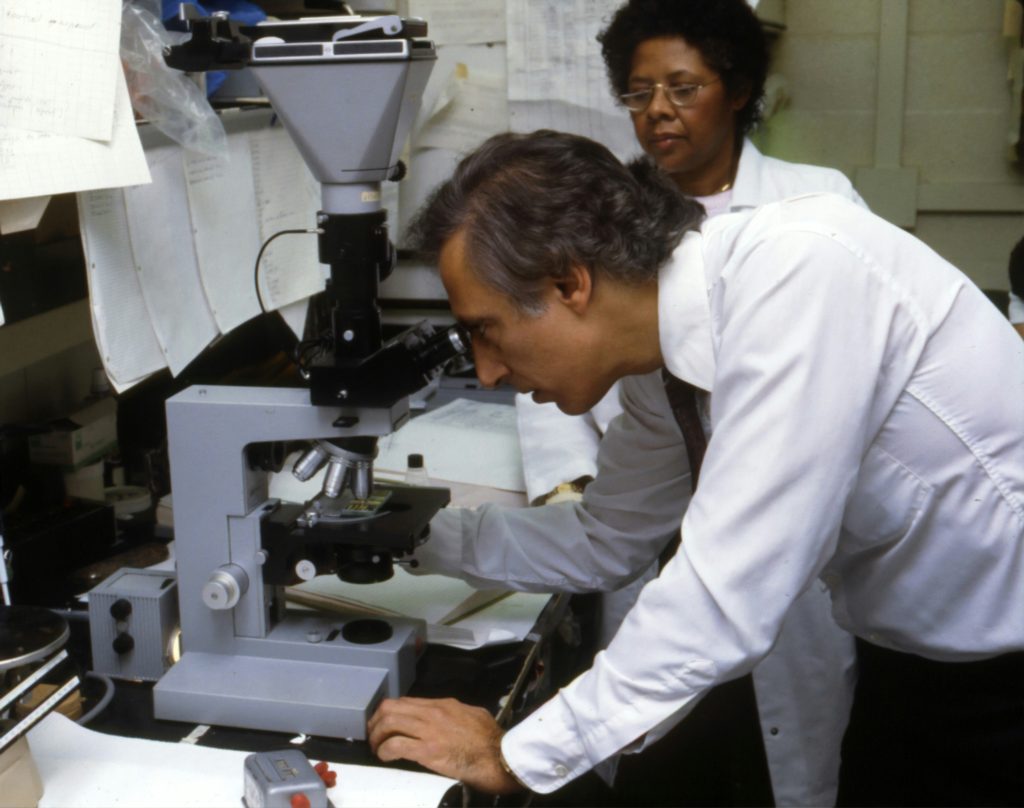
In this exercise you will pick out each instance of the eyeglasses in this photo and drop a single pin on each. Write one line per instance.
(681, 95)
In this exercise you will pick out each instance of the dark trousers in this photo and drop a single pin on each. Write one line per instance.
(934, 733)
(713, 757)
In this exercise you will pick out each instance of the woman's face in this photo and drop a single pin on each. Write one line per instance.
(696, 144)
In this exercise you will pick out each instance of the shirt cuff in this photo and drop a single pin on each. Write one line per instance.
(441, 553)
(545, 751)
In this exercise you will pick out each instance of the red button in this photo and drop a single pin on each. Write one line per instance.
(300, 800)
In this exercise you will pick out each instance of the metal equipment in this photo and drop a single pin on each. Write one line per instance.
(347, 89)
(133, 624)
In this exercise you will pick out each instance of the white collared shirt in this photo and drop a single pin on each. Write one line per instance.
(805, 686)
(868, 415)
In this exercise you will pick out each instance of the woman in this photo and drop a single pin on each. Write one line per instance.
(691, 75)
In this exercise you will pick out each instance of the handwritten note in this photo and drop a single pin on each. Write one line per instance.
(58, 66)
(38, 164)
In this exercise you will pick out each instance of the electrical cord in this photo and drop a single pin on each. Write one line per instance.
(316, 231)
(105, 699)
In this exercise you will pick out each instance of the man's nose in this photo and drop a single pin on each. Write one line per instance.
(489, 368)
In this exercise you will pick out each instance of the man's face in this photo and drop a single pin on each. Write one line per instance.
(543, 354)
(687, 141)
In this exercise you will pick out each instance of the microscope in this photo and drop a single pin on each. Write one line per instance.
(347, 89)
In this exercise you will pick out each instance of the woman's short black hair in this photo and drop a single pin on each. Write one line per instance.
(726, 32)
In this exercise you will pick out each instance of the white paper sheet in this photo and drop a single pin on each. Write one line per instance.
(556, 76)
(454, 22)
(18, 215)
(38, 164)
(58, 64)
(84, 769)
(222, 208)
(471, 108)
(121, 325)
(433, 598)
(287, 197)
(160, 229)
(463, 441)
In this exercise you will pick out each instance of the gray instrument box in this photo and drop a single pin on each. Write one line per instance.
(133, 622)
(272, 779)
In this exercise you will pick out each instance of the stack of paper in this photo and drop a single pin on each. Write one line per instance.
(172, 265)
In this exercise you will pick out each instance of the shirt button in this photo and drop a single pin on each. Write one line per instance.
(561, 771)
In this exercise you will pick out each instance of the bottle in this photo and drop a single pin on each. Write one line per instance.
(416, 470)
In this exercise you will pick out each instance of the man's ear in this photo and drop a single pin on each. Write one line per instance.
(576, 289)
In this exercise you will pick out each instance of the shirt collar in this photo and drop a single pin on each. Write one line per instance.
(684, 315)
(746, 187)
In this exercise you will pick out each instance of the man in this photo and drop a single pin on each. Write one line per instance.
(691, 76)
(866, 419)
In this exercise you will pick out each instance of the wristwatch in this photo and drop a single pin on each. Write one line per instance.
(508, 769)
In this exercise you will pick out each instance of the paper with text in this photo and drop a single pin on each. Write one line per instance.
(222, 208)
(39, 164)
(58, 64)
(127, 343)
(556, 76)
(287, 198)
(161, 240)
(452, 22)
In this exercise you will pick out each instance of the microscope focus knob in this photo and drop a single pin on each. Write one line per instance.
(225, 587)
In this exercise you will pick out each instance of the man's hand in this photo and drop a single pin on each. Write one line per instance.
(446, 736)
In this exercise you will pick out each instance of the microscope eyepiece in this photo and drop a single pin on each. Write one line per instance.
(441, 348)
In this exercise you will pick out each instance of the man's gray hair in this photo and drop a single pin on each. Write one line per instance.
(532, 206)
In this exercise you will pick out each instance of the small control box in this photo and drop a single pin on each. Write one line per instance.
(284, 779)
(133, 624)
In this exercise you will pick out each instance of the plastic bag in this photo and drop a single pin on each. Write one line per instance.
(165, 97)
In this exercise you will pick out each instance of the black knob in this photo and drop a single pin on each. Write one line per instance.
(123, 643)
(120, 609)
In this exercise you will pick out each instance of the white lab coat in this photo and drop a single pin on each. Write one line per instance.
(1016, 310)
(809, 677)
(867, 407)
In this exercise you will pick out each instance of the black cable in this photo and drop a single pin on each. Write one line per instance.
(259, 257)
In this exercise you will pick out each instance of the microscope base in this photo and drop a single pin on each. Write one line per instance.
(281, 694)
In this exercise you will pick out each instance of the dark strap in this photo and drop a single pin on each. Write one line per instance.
(682, 397)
